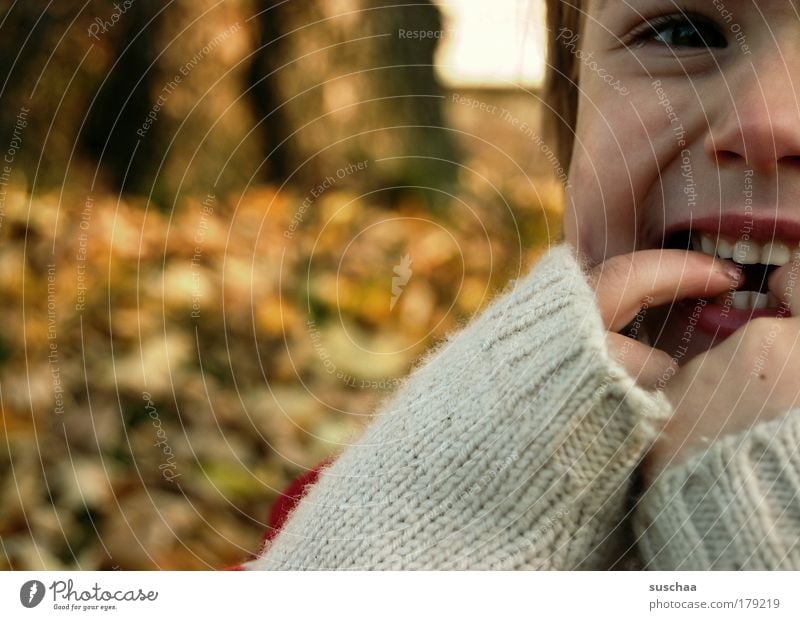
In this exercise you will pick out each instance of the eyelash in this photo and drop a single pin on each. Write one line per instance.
(647, 31)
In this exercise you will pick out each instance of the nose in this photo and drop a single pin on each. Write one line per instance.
(760, 122)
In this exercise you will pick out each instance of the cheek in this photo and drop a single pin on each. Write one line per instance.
(613, 170)
(600, 212)
(584, 231)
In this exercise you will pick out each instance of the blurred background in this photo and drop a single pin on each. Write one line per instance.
(227, 231)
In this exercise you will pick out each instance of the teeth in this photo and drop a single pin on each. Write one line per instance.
(749, 252)
(747, 300)
(758, 301)
(746, 252)
(775, 253)
(741, 300)
(724, 249)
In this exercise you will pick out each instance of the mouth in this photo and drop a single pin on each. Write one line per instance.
(757, 258)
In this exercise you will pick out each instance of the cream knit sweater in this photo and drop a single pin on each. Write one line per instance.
(514, 445)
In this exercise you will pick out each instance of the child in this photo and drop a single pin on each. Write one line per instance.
(627, 404)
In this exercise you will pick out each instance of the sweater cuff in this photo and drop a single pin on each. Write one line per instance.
(735, 506)
(509, 446)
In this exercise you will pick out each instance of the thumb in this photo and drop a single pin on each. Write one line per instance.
(784, 283)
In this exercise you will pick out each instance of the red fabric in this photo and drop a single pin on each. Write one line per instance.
(285, 503)
(289, 499)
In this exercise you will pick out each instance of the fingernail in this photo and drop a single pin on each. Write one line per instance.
(732, 271)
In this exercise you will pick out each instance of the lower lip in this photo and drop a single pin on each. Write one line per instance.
(722, 320)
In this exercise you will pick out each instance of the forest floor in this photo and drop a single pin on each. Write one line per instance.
(165, 375)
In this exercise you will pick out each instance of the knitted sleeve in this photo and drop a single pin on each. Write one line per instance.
(511, 445)
(734, 506)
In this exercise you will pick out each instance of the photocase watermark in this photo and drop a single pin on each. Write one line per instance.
(183, 71)
(199, 238)
(403, 273)
(528, 550)
(747, 225)
(727, 300)
(102, 26)
(31, 593)
(14, 145)
(52, 349)
(332, 369)
(328, 182)
(634, 329)
(689, 184)
(420, 35)
(20, 123)
(736, 29)
(672, 114)
(457, 501)
(687, 172)
(760, 362)
(83, 246)
(66, 597)
(529, 132)
(683, 349)
(569, 40)
(168, 467)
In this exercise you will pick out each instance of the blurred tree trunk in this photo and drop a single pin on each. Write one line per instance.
(336, 83)
(47, 82)
(186, 127)
(149, 92)
(162, 98)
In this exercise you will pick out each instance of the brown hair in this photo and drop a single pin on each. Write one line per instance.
(561, 81)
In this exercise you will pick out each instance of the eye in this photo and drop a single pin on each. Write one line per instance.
(680, 30)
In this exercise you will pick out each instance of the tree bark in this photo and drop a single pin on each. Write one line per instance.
(338, 82)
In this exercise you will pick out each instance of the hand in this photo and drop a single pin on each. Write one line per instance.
(626, 284)
(750, 377)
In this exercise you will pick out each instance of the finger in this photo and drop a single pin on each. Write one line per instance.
(626, 284)
(784, 283)
(651, 368)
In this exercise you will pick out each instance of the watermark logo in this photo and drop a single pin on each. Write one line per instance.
(168, 467)
(421, 35)
(183, 72)
(316, 192)
(66, 597)
(402, 275)
(736, 29)
(570, 41)
(102, 26)
(31, 593)
(527, 130)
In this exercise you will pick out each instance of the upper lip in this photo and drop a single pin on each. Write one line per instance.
(751, 225)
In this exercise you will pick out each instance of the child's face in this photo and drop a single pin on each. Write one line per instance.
(688, 120)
